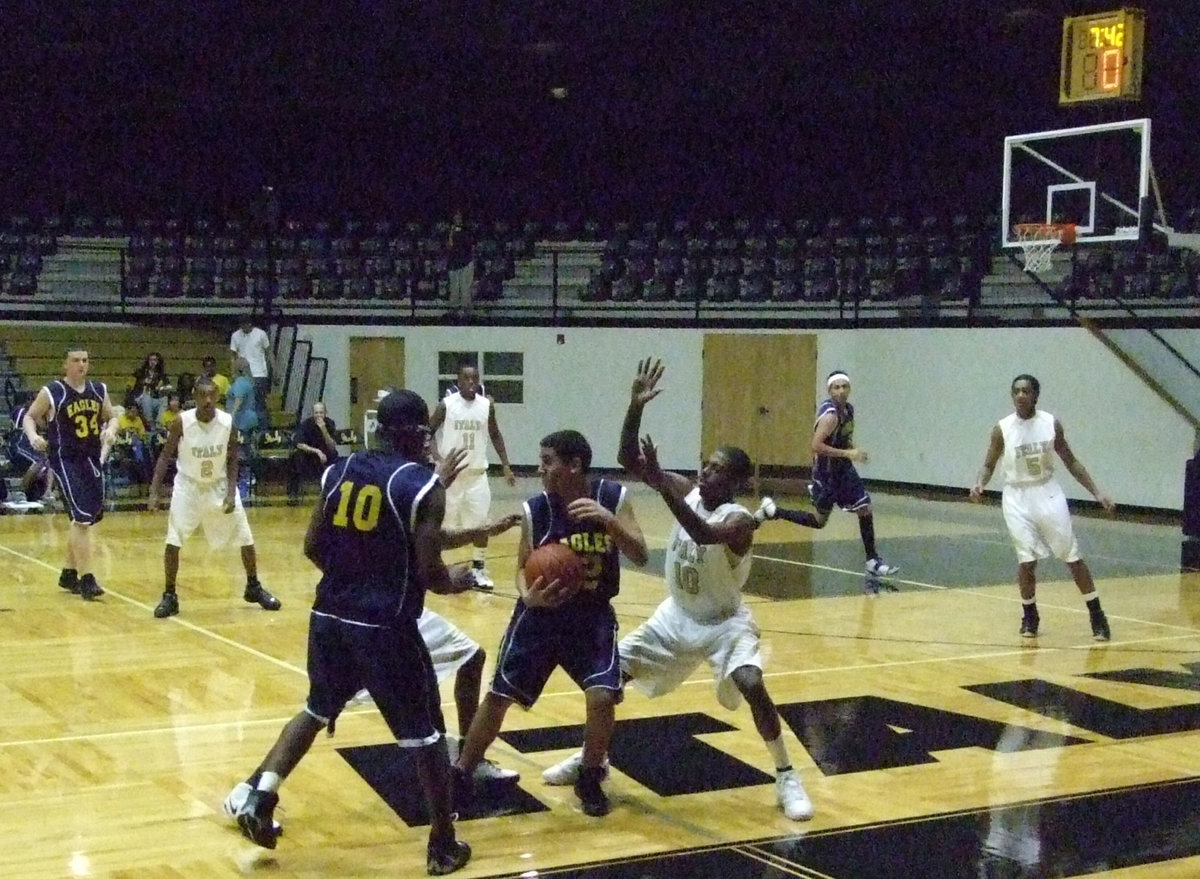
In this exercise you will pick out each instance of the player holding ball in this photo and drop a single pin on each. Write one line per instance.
(567, 621)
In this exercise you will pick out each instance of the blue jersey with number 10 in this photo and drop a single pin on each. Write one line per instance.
(366, 542)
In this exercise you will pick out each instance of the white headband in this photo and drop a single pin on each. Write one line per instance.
(837, 377)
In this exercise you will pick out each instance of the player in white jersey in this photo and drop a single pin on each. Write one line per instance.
(703, 618)
(467, 420)
(1034, 505)
(205, 494)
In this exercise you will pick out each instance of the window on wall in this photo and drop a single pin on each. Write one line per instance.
(502, 372)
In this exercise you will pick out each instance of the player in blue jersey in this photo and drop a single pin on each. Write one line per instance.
(835, 481)
(37, 479)
(80, 426)
(375, 537)
(569, 625)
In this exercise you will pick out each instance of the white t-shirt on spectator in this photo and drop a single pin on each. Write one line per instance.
(253, 346)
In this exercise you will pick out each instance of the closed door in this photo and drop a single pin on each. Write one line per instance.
(760, 394)
(375, 363)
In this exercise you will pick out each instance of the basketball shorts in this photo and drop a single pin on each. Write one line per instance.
(202, 504)
(389, 662)
(842, 487)
(467, 500)
(662, 652)
(583, 642)
(449, 647)
(1039, 522)
(82, 484)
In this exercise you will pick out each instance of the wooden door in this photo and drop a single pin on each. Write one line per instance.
(760, 394)
(375, 363)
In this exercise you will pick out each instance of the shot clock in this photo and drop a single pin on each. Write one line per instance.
(1102, 57)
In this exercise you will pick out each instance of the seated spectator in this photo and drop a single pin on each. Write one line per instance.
(150, 386)
(131, 451)
(313, 447)
(171, 413)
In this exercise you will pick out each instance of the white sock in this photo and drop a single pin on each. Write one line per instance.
(270, 781)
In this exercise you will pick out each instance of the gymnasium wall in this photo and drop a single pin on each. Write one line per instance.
(926, 399)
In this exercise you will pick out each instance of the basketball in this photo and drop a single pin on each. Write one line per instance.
(554, 561)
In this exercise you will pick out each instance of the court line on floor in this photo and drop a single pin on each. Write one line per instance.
(175, 619)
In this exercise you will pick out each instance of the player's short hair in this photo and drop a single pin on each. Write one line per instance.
(1026, 377)
(568, 444)
(67, 351)
(204, 381)
(740, 466)
(400, 409)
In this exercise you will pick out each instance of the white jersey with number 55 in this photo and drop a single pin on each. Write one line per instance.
(706, 580)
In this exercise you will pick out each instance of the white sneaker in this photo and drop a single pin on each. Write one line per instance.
(792, 798)
(567, 771)
(237, 798)
(362, 697)
(879, 568)
(765, 511)
(489, 772)
(483, 579)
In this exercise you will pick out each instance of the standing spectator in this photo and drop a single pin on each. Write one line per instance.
(1034, 505)
(460, 261)
(251, 343)
(314, 446)
(240, 404)
(81, 427)
(150, 386)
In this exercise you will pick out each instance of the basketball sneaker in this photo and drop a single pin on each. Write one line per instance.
(877, 567)
(567, 771)
(792, 798)
(256, 594)
(256, 818)
(1030, 622)
(446, 857)
(237, 798)
(483, 578)
(69, 580)
(1100, 630)
(591, 795)
(485, 771)
(89, 588)
(765, 511)
(168, 606)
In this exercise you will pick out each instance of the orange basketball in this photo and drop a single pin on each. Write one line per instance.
(554, 561)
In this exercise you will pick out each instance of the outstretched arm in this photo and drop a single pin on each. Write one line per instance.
(645, 388)
(736, 532)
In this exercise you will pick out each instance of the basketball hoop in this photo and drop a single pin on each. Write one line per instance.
(1039, 240)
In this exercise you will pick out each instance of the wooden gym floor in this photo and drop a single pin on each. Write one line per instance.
(933, 741)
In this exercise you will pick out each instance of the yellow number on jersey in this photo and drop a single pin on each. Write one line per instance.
(367, 501)
(86, 426)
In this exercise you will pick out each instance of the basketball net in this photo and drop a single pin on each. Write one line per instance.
(1039, 240)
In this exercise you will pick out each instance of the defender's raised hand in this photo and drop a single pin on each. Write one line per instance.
(645, 383)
